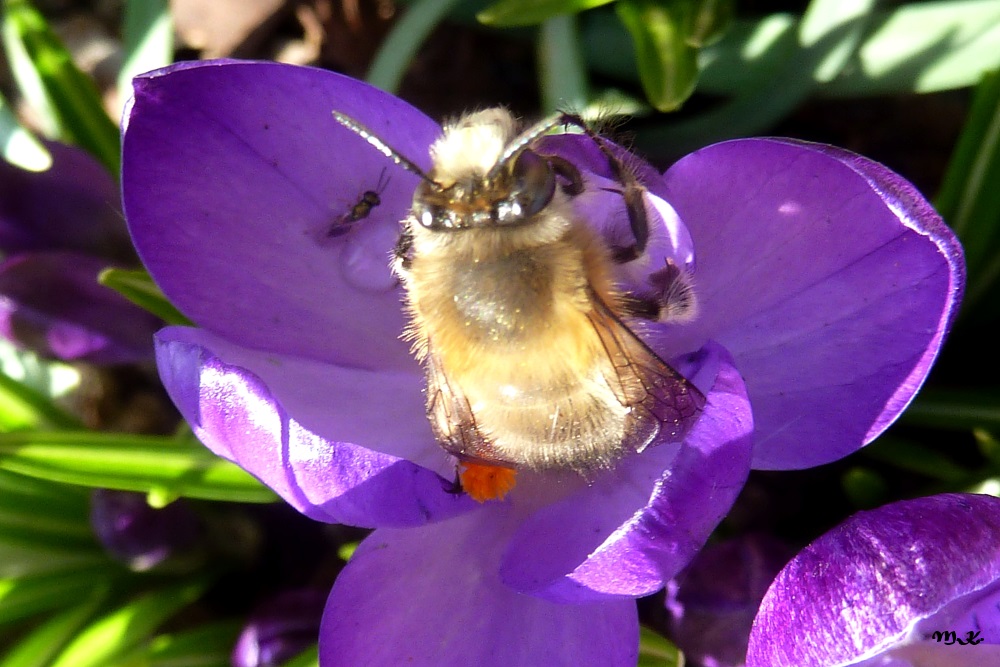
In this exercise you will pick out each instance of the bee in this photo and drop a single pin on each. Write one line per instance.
(360, 210)
(515, 314)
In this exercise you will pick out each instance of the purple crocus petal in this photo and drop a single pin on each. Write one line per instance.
(828, 277)
(430, 597)
(270, 414)
(51, 302)
(139, 535)
(636, 526)
(236, 184)
(280, 629)
(73, 205)
(872, 591)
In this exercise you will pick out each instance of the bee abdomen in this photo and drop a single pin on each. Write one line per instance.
(561, 425)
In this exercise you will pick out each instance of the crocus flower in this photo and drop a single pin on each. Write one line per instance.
(912, 584)
(825, 282)
(58, 230)
(280, 628)
(138, 535)
(712, 603)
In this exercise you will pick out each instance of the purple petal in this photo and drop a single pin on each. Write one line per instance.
(280, 629)
(828, 277)
(73, 205)
(636, 526)
(431, 597)
(139, 535)
(234, 175)
(52, 303)
(881, 580)
(276, 417)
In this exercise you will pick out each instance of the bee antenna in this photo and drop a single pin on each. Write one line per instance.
(522, 141)
(382, 147)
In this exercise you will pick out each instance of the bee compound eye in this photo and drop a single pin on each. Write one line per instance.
(534, 183)
(427, 215)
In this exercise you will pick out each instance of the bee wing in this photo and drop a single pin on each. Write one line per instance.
(659, 397)
(450, 414)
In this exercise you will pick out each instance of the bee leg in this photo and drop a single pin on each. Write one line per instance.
(674, 299)
(402, 254)
(632, 192)
(455, 487)
(639, 224)
(568, 171)
(641, 307)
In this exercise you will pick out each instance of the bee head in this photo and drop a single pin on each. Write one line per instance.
(485, 174)
(511, 193)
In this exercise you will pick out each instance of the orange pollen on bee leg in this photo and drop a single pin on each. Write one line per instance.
(485, 482)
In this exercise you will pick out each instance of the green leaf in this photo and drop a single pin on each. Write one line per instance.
(988, 445)
(148, 40)
(710, 21)
(28, 387)
(865, 488)
(137, 286)
(308, 658)
(44, 642)
(47, 497)
(129, 462)
(27, 595)
(562, 72)
(120, 631)
(346, 550)
(19, 146)
(924, 47)
(989, 487)
(22, 406)
(960, 410)
(656, 650)
(36, 513)
(28, 521)
(827, 37)
(508, 13)
(41, 63)
(205, 646)
(23, 558)
(917, 47)
(668, 65)
(969, 199)
(401, 44)
(746, 58)
(916, 457)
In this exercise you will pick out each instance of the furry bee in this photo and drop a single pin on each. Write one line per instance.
(515, 314)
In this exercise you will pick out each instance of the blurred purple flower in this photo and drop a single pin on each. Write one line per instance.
(58, 230)
(823, 277)
(280, 629)
(912, 584)
(712, 603)
(138, 535)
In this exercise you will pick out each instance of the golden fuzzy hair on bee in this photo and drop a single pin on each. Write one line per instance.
(515, 314)
(471, 144)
